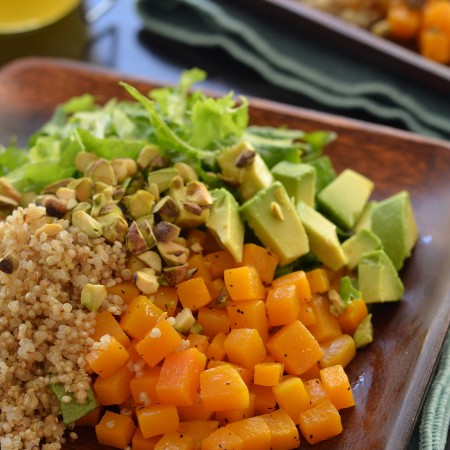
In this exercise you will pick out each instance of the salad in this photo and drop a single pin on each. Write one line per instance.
(172, 276)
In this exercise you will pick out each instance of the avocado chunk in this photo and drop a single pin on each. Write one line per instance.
(343, 200)
(225, 223)
(299, 180)
(364, 332)
(323, 240)
(378, 280)
(361, 242)
(365, 219)
(274, 219)
(394, 223)
(243, 167)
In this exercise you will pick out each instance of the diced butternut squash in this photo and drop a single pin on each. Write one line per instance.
(139, 442)
(336, 383)
(291, 396)
(283, 304)
(219, 262)
(249, 314)
(316, 391)
(91, 419)
(284, 434)
(131, 349)
(306, 315)
(318, 281)
(198, 430)
(143, 386)
(115, 430)
(254, 432)
(314, 372)
(126, 290)
(193, 293)
(179, 379)
(326, 326)
(243, 283)
(213, 320)
(265, 401)
(140, 317)
(216, 349)
(234, 415)
(166, 299)
(353, 315)
(320, 422)
(107, 356)
(198, 341)
(197, 262)
(246, 374)
(195, 412)
(294, 347)
(157, 419)
(218, 292)
(105, 323)
(222, 388)
(263, 260)
(223, 438)
(245, 347)
(175, 440)
(268, 373)
(161, 340)
(299, 279)
(339, 350)
(115, 389)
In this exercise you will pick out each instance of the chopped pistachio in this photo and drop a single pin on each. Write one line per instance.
(9, 263)
(152, 259)
(175, 275)
(173, 253)
(86, 224)
(99, 201)
(166, 231)
(54, 207)
(146, 281)
(93, 295)
(123, 168)
(135, 241)
(111, 208)
(82, 206)
(140, 204)
(196, 328)
(162, 177)
(50, 229)
(137, 182)
(186, 172)
(101, 170)
(145, 226)
(84, 159)
(100, 187)
(68, 195)
(153, 189)
(146, 156)
(166, 209)
(53, 187)
(184, 320)
(7, 202)
(193, 208)
(83, 188)
(8, 190)
(114, 227)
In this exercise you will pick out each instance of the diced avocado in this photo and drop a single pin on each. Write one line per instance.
(365, 219)
(244, 167)
(323, 240)
(343, 200)
(225, 223)
(378, 280)
(274, 219)
(394, 223)
(298, 179)
(361, 242)
(364, 332)
(325, 172)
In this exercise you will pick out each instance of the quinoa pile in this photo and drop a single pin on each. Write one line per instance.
(44, 330)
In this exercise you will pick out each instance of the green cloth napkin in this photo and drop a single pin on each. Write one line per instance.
(318, 70)
(294, 61)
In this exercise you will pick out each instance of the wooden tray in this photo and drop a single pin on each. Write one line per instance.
(359, 42)
(391, 376)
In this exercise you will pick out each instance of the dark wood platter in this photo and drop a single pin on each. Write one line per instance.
(361, 43)
(391, 376)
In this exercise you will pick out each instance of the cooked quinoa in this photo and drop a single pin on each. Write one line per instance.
(44, 331)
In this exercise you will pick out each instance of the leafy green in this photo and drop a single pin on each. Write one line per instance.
(72, 411)
(347, 290)
(11, 158)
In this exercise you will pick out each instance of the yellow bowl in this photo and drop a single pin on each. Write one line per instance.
(42, 28)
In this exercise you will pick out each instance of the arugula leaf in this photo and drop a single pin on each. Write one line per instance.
(72, 411)
(11, 158)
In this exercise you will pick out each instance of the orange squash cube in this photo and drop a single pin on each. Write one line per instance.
(339, 350)
(143, 386)
(166, 299)
(195, 412)
(219, 262)
(283, 305)
(320, 422)
(326, 326)
(216, 349)
(316, 391)
(222, 438)
(126, 290)
(313, 372)
(254, 432)
(246, 374)
(245, 347)
(352, 316)
(198, 341)
(336, 383)
(197, 262)
(140, 317)
(234, 415)
(198, 430)
(157, 419)
(243, 283)
(263, 260)
(284, 433)
(115, 389)
(300, 280)
(179, 379)
(291, 396)
(139, 442)
(175, 440)
(105, 323)
(295, 348)
(193, 293)
(115, 430)
(265, 401)
(268, 373)
(222, 388)
(107, 356)
(318, 281)
(213, 320)
(249, 314)
(161, 340)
